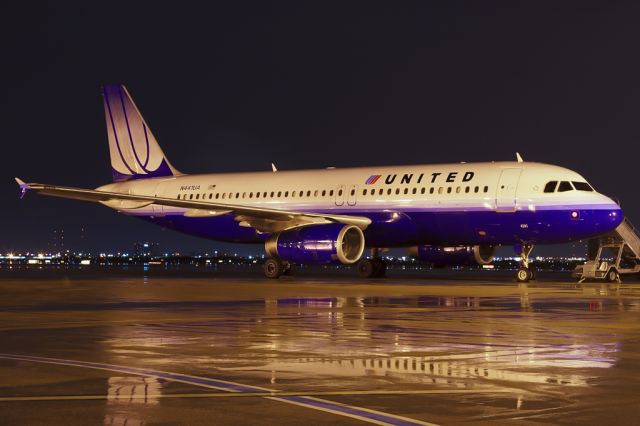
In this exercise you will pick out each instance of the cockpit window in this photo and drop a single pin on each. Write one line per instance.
(582, 186)
(565, 186)
(550, 186)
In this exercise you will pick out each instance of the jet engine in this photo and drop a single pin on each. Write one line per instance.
(454, 256)
(326, 243)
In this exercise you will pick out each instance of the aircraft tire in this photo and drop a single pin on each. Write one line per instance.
(273, 268)
(379, 268)
(287, 268)
(366, 268)
(523, 275)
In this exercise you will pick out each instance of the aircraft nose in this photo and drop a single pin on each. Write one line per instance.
(613, 217)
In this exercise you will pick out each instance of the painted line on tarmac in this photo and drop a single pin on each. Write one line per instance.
(250, 395)
(364, 414)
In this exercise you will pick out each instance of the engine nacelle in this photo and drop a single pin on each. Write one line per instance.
(454, 256)
(326, 243)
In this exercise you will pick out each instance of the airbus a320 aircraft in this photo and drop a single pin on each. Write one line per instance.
(444, 213)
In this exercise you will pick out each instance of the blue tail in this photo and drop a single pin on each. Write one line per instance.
(135, 153)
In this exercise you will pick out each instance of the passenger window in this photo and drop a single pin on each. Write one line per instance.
(340, 192)
(364, 192)
(308, 193)
(331, 193)
(414, 190)
(476, 189)
(251, 195)
(389, 191)
(237, 195)
(223, 195)
(197, 196)
(440, 190)
(324, 192)
(244, 194)
(431, 190)
(449, 190)
(466, 189)
(582, 186)
(564, 186)
(406, 191)
(353, 192)
(550, 186)
(210, 195)
(293, 194)
(457, 189)
(178, 197)
(257, 195)
(279, 194)
(380, 191)
(486, 189)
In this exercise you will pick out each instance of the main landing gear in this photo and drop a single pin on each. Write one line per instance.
(274, 268)
(372, 268)
(525, 273)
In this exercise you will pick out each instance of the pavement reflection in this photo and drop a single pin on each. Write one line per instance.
(547, 351)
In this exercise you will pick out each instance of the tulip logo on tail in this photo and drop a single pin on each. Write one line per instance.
(135, 153)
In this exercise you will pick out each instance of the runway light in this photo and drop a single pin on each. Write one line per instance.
(575, 214)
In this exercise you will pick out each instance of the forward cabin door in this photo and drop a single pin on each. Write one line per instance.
(506, 191)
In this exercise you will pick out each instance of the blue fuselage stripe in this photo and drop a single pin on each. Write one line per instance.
(449, 227)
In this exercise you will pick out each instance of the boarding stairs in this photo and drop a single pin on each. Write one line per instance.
(612, 255)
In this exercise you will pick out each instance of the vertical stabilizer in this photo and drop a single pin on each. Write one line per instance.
(135, 153)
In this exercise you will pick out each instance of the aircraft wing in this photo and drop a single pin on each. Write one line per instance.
(260, 218)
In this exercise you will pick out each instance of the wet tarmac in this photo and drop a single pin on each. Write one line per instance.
(133, 347)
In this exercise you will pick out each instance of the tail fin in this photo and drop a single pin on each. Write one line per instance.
(135, 153)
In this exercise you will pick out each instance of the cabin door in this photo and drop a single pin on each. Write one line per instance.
(340, 195)
(158, 210)
(506, 191)
(353, 195)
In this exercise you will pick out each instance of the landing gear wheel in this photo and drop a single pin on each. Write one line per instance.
(273, 268)
(612, 275)
(532, 272)
(523, 275)
(366, 268)
(379, 268)
(287, 268)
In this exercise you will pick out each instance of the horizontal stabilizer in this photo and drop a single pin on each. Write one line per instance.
(23, 187)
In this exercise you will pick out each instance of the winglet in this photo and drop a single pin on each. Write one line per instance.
(23, 187)
(273, 167)
(519, 158)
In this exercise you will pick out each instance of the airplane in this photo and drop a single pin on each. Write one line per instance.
(446, 214)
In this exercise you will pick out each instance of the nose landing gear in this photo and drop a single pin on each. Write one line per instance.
(525, 272)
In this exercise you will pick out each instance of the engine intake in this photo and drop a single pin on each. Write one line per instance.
(454, 256)
(327, 243)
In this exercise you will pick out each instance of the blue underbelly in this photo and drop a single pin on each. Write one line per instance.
(396, 229)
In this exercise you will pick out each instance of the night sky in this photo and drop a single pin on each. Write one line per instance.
(234, 86)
